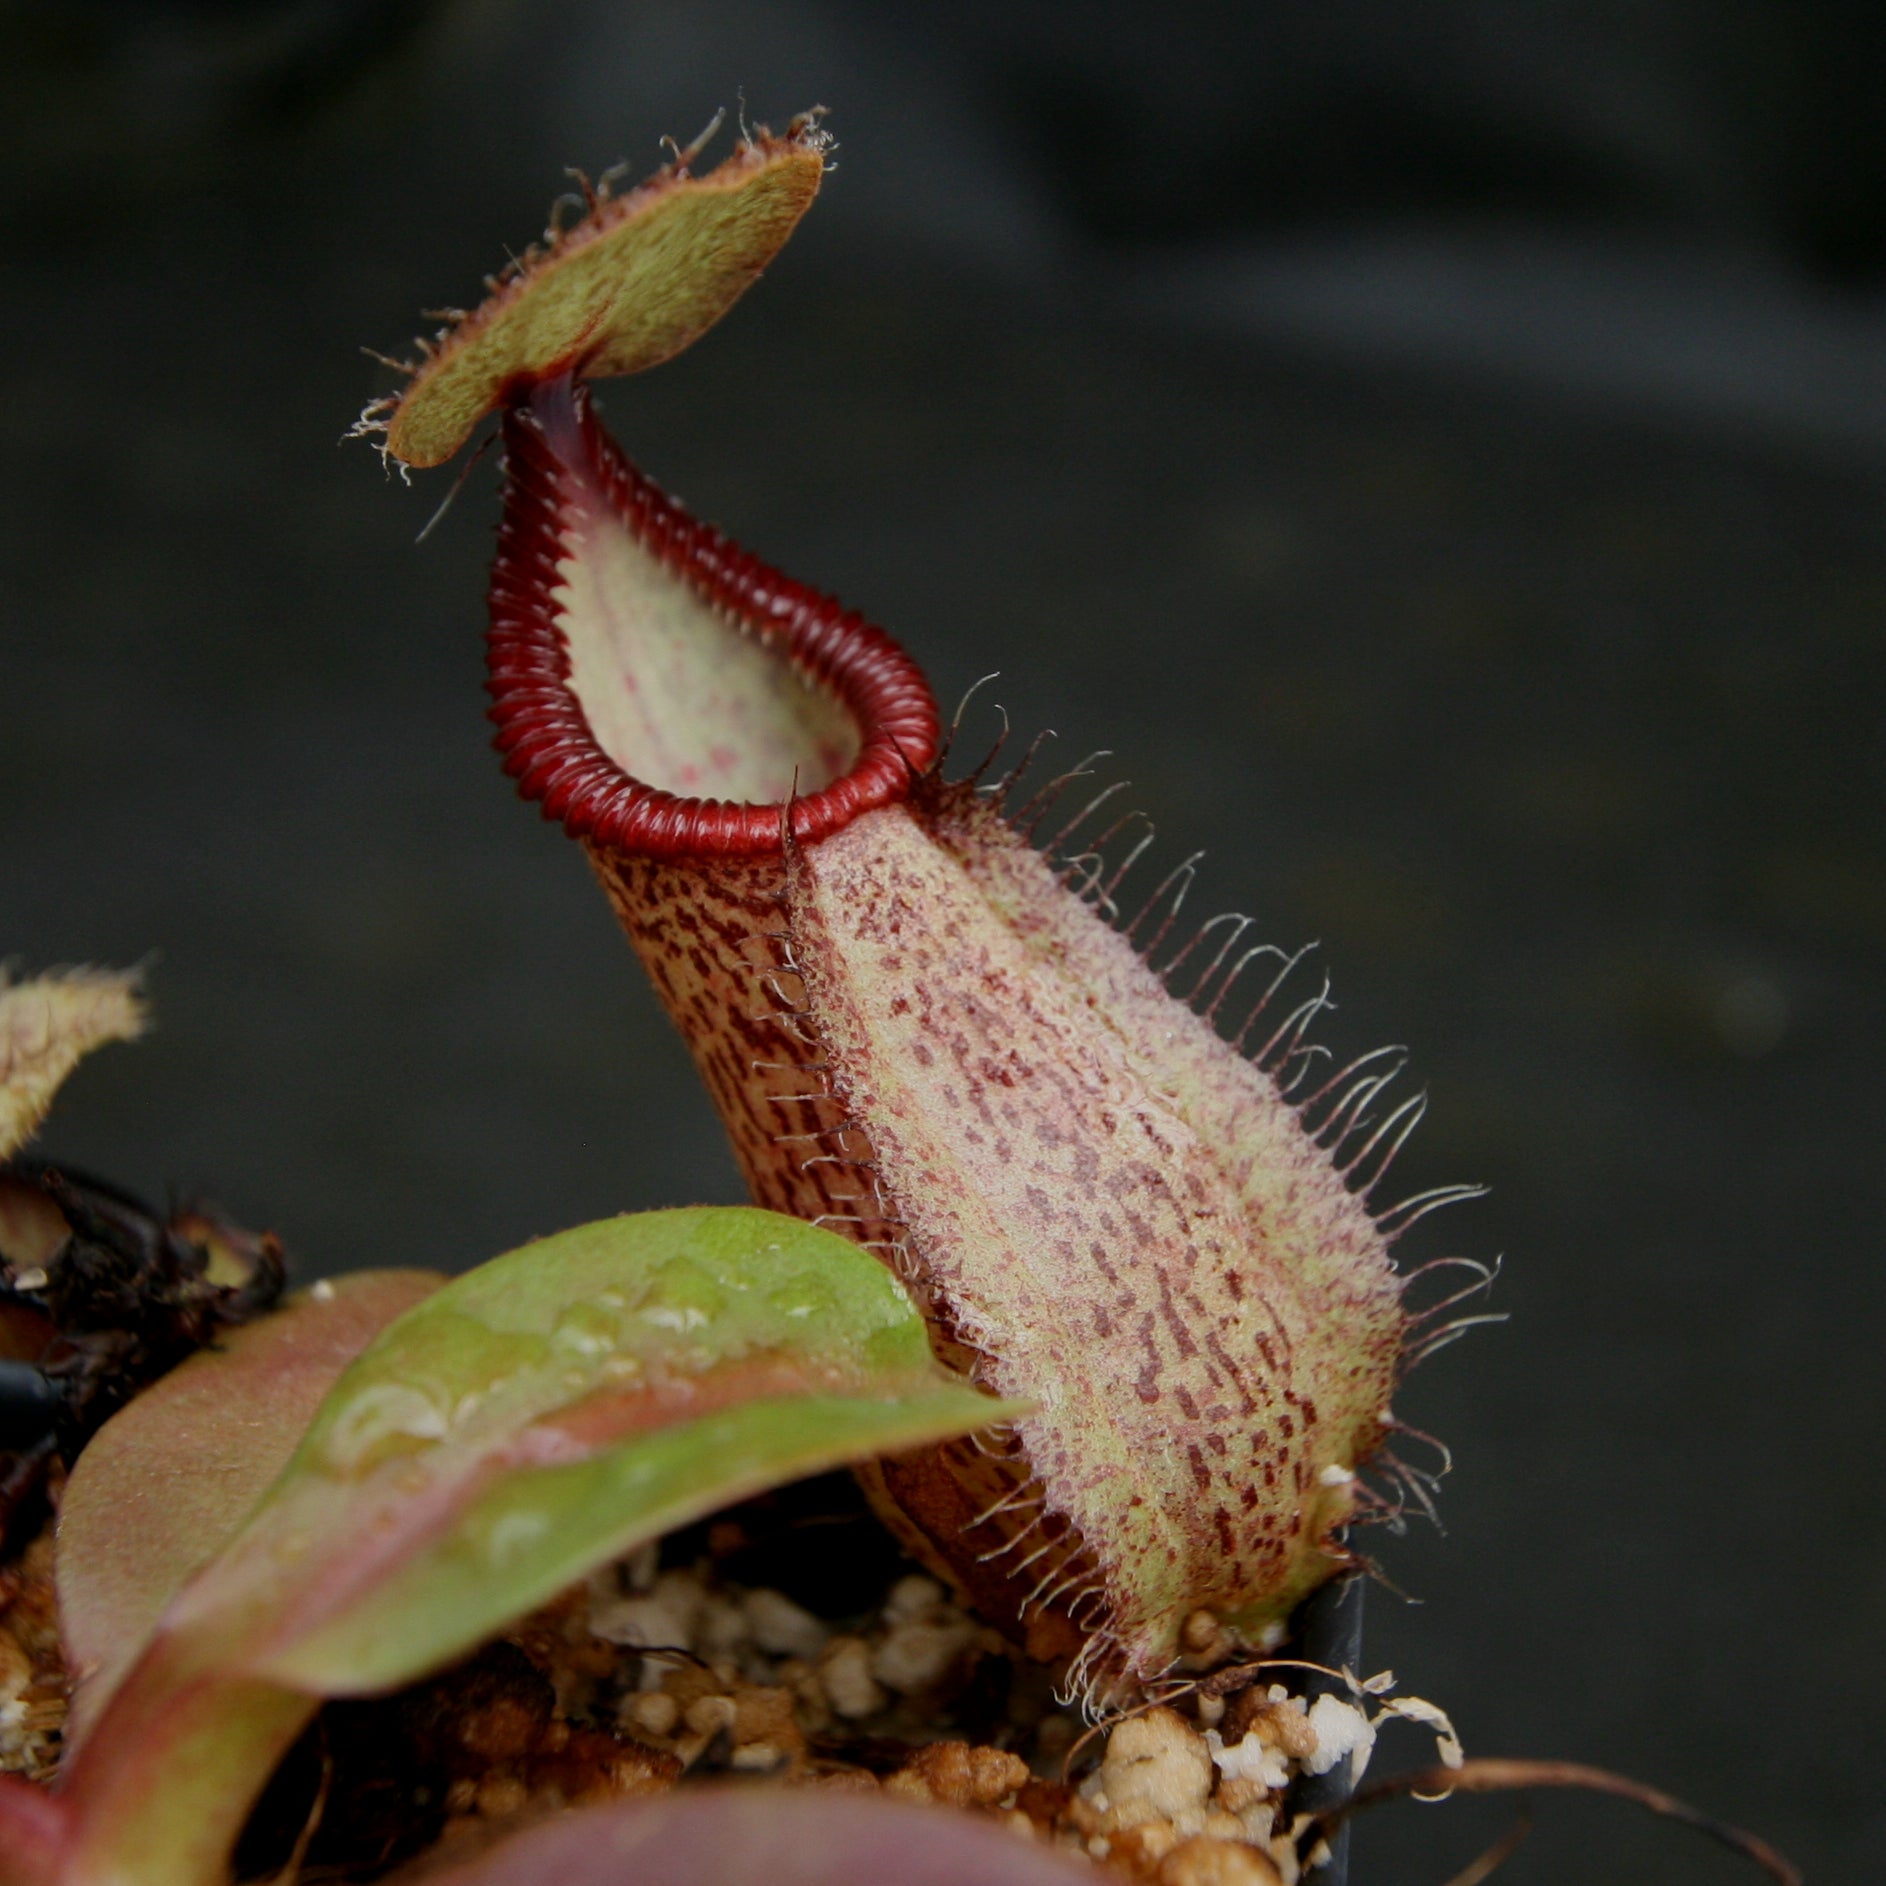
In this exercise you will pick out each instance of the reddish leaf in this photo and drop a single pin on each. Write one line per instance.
(164, 1484)
(761, 1836)
(518, 1427)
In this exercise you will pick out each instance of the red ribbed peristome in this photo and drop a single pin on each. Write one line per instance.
(556, 443)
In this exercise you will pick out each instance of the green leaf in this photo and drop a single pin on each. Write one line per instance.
(553, 1409)
(164, 1485)
(539, 1530)
(525, 1423)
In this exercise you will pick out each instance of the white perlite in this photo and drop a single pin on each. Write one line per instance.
(1252, 1759)
(1341, 1729)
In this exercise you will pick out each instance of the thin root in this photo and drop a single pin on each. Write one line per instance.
(1496, 1775)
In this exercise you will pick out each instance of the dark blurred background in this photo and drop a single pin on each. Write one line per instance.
(1441, 447)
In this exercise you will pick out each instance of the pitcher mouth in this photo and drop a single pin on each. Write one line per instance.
(558, 456)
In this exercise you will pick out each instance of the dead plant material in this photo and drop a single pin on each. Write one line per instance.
(102, 1295)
